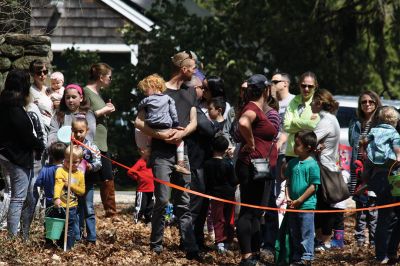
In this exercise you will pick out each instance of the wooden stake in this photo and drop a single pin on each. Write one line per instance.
(68, 196)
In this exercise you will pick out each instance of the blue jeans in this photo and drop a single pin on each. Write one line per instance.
(21, 181)
(71, 228)
(302, 235)
(85, 215)
(163, 168)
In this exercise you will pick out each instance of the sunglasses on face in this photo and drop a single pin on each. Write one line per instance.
(40, 72)
(276, 81)
(305, 86)
(368, 101)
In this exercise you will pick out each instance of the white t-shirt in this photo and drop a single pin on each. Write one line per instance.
(44, 103)
(328, 129)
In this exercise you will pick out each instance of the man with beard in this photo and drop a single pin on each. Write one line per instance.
(163, 152)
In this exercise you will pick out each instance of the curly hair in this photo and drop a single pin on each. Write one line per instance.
(154, 82)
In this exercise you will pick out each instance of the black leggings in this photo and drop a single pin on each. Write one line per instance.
(248, 224)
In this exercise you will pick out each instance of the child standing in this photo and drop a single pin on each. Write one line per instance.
(45, 180)
(143, 175)
(77, 186)
(90, 166)
(161, 112)
(221, 183)
(303, 176)
(56, 90)
(216, 109)
(46, 177)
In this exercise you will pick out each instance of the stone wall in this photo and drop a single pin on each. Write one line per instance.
(19, 50)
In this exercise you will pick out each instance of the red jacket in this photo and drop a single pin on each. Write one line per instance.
(143, 175)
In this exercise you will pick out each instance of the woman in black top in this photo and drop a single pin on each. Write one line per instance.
(18, 142)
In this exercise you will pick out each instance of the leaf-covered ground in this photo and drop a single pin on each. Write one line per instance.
(122, 242)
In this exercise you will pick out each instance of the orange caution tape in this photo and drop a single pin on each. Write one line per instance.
(241, 203)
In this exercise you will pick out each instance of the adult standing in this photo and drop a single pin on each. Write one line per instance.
(163, 154)
(298, 114)
(100, 78)
(199, 150)
(39, 91)
(368, 104)
(257, 137)
(328, 136)
(18, 142)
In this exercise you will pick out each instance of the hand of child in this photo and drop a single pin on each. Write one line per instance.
(314, 117)
(295, 204)
(179, 128)
(57, 203)
(230, 152)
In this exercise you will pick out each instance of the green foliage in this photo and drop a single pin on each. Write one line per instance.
(351, 45)
(78, 64)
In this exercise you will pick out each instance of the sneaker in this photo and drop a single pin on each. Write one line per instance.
(221, 248)
(322, 247)
(393, 261)
(382, 261)
(180, 167)
(157, 249)
(250, 261)
(195, 255)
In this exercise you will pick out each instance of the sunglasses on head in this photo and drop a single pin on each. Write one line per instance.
(40, 72)
(368, 101)
(304, 86)
(189, 56)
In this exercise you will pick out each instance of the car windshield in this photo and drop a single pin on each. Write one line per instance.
(345, 115)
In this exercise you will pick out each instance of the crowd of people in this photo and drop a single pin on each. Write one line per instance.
(34, 153)
(272, 149)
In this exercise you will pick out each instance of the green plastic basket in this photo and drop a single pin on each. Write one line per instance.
(54, 227)
(394, 181)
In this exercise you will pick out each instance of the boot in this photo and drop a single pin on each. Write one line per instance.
(107, 193)
(337, 240)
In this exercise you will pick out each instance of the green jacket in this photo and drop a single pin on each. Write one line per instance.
(293, 122)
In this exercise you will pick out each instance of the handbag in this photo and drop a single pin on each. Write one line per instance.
(333, 187)
(260, 167)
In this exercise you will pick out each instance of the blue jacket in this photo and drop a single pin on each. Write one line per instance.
(46, 180)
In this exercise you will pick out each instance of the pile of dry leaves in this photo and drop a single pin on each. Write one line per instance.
(122, 242)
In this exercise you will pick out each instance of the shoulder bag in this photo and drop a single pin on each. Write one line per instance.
(260, 167)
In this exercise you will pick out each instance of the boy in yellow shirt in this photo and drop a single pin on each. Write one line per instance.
(77, 189)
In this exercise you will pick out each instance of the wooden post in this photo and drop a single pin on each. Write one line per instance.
(68, 195)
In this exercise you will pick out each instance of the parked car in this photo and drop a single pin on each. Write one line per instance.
(347, 112)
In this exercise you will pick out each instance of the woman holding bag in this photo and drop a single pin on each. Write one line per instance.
(328, 136)
(257, 135)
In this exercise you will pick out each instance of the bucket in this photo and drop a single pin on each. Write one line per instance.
(54, 227)
(394, 181)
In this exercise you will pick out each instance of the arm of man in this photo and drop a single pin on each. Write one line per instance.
(178, 135)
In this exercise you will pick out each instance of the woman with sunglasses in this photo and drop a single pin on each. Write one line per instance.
(38, 90)
(368, 103)
(298, 114)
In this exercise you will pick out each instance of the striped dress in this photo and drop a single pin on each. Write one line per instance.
(353, 178)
